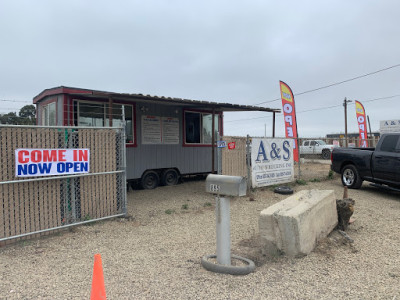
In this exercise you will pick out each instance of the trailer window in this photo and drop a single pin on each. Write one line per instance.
(198, 127)
(90, 114)
(97, 115)
(117, 119)
(49, 114)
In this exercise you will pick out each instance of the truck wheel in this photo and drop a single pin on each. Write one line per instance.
(326, 154)
(150, 180)
(350, 177)
(170, 177)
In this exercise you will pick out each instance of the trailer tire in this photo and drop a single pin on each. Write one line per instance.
(150, 180)
(350, 177)
(170, 177)
(326, 154)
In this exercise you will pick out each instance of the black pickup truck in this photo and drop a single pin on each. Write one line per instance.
(380, 165)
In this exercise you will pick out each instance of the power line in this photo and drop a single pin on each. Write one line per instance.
(315, 109)
(381, 98)
(10, 100)
(376, 99)
(298, 94)
(334, 84)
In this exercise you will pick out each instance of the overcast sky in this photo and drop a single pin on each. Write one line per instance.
(223, 51)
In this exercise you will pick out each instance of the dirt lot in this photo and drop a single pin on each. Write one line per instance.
(155, 254)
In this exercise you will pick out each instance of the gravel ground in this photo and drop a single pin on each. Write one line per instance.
(155, 254)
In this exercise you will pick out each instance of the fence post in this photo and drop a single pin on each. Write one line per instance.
(248, 163)
(298, 150)
(123, 153)
(219, 155)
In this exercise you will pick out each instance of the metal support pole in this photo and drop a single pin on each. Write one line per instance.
(273, 124)
(370, 133)
(345, 121)
(213, 141)
(222, 210)
(219, 155)
(123, 153)
(248, 164)
(110, 114)
(297, 141)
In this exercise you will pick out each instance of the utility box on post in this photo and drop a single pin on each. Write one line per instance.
(225, 185)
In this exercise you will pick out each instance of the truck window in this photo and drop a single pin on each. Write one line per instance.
(306, 143)
(312, 143)
(389, 143)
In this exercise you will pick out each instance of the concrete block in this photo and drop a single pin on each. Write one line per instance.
(294, 225)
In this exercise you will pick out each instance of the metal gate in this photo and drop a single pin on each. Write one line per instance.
(40, 204)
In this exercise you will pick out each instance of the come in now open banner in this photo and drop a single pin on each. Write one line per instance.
(271, 161)
(44, 162)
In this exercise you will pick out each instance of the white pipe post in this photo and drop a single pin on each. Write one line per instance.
(222, 210)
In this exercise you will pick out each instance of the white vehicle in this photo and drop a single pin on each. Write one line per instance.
(316, 147)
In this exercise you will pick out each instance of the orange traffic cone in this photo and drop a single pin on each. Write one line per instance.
(98, 290)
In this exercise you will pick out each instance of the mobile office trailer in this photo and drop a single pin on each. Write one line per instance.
(165, 137)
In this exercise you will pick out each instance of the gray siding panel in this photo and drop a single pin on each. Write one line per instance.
(188, 160)
(60, 110)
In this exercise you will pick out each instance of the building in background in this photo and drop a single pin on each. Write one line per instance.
(388, 126)
(353, 139)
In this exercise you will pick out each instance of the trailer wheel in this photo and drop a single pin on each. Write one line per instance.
(350, 177)
(170, 177)
(150, 180)
(326, 154)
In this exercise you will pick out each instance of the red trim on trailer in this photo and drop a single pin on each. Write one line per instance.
(197, 145)
(65, 111)
(59, 90)
(71, 110)
(135, 143)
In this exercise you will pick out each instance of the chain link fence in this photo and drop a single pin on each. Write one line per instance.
(38, 205)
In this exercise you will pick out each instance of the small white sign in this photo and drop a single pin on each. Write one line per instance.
(221, 144)
(170, 130)
(151, 130)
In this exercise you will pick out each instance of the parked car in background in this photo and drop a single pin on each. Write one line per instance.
(380, 165)
(316, 147)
